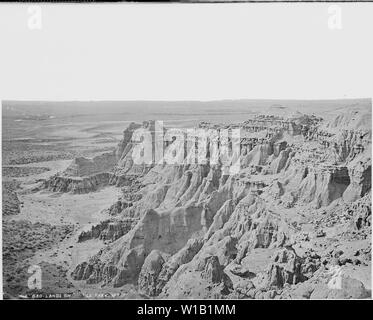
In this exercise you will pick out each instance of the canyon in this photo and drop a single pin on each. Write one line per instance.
(293, 220)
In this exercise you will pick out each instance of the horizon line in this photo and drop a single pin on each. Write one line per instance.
(185, 100)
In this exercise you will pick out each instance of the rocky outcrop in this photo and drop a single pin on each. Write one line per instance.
(346, 288)
(168, 231)
(212, 271)
(126, 166)
(119, 206)
(285, 268)
(321, 185)
(81, 167)
(183, 256)
(149, 273)
(208, 281)
(220, 218)
(77, 185)
(360, 173)
(108, 230)
(280, 162)
(114, 269)
(126, 140)
(361, 210)
(198, 229)
(83, 175)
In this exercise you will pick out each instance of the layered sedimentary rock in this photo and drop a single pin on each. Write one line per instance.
(262, 232)
(77, 185)
(111, 229)
(183, 256)
(321, 185)
(208, 273)
(360, 172)
(81, 166)
(285, 268)
(149, 273)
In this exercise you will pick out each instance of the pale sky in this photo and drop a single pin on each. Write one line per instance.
(185, 51)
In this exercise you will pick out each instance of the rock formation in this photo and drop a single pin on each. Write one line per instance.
(82, 167)
(77, 184)
(264, 232)
(149, 273)
(108, 230)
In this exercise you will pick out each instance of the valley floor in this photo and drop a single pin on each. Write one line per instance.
(44, 230)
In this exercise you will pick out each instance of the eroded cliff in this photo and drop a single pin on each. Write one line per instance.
(271, 230)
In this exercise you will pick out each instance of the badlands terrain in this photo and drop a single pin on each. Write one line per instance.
(293, 223)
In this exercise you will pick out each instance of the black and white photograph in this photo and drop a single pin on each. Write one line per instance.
(186, 151)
